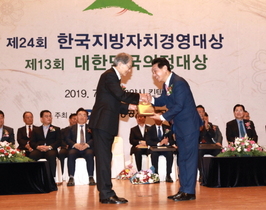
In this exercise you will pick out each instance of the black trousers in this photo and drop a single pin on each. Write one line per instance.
(87, 154)
(169, 160)
(62, 154)
(103, 153)
(49, 155)
(138, 156)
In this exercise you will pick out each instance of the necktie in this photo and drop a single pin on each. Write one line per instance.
(30, 131)
(159, 132)
(82, 139)
(242, 132)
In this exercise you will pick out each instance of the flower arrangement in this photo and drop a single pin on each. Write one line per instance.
(169, 90)
(127, 173)
(242, 147)
(52, 129)
(8, 154)
(5, 134)
(247, 124)
(145, 177)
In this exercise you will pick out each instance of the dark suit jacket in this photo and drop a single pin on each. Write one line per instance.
(181, 107)
(8, 134)
(53, 137)
(135, 136)
(22, 137)
(64, 135)
(232, 130)
(152, 136)
(218, 138)
(72, 136)
(108, 103)
(206, 136)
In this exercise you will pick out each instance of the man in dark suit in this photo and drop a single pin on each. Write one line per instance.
(161, 135)
(63, 152)
(6, 133)
(111, 100)
(240, 127)
(182, 113)
(80, 142)
(24, 133)
(45, 140)
(137, 140)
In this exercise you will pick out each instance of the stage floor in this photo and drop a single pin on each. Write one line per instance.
(146, 197)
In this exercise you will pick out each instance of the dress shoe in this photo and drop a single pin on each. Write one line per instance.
(175, 195)
(168, 179)
(185, 197)
(91, 181)
(114, 200)
(59, 183)
(71, 182)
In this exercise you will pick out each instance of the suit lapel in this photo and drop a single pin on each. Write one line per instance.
(75, 132)
(43, 132)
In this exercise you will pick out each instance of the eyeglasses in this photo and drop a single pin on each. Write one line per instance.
(129, 67)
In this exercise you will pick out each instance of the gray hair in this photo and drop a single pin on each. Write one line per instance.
(123, 58)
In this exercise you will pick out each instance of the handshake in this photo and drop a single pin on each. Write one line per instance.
(145, 98)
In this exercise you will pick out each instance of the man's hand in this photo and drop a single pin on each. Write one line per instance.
(165, 141)
(143, 98)
(156, 116)
(142, 143)
(27, 146)
(43, 148)
(218, 144)
(132, 107)
(81, 147)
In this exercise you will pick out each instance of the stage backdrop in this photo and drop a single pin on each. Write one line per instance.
(54, 51)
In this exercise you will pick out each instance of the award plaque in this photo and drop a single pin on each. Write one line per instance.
(145, 109)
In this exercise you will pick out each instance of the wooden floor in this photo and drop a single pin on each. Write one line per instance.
(146, 197)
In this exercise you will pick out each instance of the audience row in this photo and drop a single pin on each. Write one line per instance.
(76, 140)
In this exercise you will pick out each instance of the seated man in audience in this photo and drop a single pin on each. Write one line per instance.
(63, 153)
(137, 140)
(6, 133)
(240, 127)
(80, 144)
(24, 133)
(160, 135)
(207, 136)
(218, 138)
(45, 140)
(246, 115)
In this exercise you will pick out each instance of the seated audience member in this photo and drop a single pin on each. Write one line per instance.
(80, 144)
(218, 138)
(6, 133)
(137, 139)
(207, 136)
(63, 152)
(160, 135)
(24, 133)
(240, 127)
(246, 115)
(45, 140)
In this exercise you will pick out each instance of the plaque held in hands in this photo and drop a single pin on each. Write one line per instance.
(145, 109)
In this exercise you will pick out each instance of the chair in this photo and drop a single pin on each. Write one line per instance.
(146, 162)
(162, 168)
(81, 176)
(118, 162)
